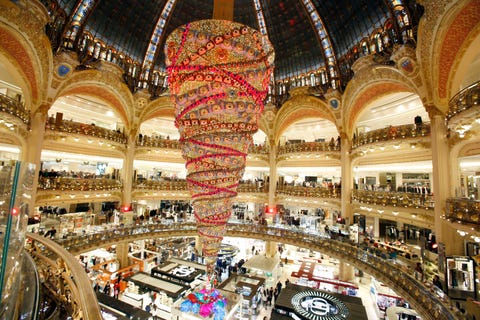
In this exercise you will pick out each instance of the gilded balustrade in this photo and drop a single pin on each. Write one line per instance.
(464, 100)
(394, 199)
(78, 184)
(159, 142)
(15, 108)
(310, 192)
(307, 147)
(170, 185)
(64, 278)
(72, 127)
(181, 185)
(463, 210)
(391, 133)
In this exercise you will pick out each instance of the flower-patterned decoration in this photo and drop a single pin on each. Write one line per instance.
(218, 75)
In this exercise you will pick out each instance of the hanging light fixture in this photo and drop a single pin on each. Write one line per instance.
(218, 75)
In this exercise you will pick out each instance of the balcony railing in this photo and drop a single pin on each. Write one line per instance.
(78, 184)
(394, 199)
(310, 192)
(14, 107)
(72, 127)
(169, 185)
(63, 278)
(463, 211)
(391, 133)
(464, 100)
(308, 147)
(160, 142)
(181, 185)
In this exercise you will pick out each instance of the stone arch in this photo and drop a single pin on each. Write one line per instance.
(297, 108)
(463, 63)
(97, 84)
(460, 26)
(25, 64)
(161, 107)
(368, 85)
(468, 146)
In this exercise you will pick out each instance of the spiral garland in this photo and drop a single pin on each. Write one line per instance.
(218, 75)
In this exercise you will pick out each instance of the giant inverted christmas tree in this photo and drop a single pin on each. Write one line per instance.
(218, 75)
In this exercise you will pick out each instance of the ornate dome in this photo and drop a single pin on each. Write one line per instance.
(314, 40)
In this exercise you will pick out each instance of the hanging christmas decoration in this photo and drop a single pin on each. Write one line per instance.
(218, 75)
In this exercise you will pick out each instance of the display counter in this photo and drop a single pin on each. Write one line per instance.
(176, 272)
(116, 309)
(249, 287)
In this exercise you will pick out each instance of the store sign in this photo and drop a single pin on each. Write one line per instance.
(317, 305)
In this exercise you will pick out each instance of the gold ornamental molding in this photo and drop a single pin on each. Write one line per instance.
(103, 84)
(23, 41)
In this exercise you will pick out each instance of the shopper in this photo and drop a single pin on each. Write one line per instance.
(418, 272)
(436, 282)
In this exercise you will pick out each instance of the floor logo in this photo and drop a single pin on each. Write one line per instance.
(315, 305)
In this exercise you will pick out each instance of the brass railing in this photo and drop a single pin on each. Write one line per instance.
(308, 147)
(394, 199)
(160, 142)
(311, 192)
(15, 108)
(161, 185)
(64, 278)
(181, 185)
(72, 127)
(463, 210)
(406, 131)
(78, 184)
(464, 100)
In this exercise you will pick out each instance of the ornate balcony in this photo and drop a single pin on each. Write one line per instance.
(164, 185)
(391, 134)
(463, 211)
(15, 108)
(90, 130)
(78, 184)
(309, 192)
(394, 199)
(465, 100)
(70, 190)
(310, 147)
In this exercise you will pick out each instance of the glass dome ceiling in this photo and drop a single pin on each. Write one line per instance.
(307, 34)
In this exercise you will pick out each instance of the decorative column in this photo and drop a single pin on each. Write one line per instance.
(346, 272)
(454, 243)
(271, 248)
(376, 227)
(272, 185)
(127, 178)
(122, 254)
(347, 179)
(32, 151)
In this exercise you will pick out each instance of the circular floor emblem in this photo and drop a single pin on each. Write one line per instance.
(317, 305)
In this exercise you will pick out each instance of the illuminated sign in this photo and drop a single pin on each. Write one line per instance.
(315, 305)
